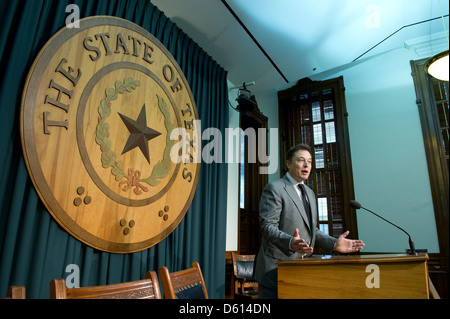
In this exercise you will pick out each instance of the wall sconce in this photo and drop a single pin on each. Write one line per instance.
(437, 66)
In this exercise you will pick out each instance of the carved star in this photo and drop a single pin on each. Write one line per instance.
(140, 133)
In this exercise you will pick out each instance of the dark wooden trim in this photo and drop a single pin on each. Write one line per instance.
(437, 170)
(254, 185)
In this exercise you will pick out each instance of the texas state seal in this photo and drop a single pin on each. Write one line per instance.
(98, 108)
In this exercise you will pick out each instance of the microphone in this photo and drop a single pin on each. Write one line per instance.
(412, 251)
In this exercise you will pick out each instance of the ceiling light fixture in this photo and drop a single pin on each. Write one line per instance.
(437, 66)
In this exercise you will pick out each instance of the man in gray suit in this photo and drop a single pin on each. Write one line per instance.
(288, 228)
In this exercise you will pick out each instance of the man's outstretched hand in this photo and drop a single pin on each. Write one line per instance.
(344, 245)
(299, 245)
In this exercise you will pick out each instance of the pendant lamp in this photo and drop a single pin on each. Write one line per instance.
(437, 66)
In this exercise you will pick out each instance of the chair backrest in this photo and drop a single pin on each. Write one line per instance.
(183, 284)
(140, 289)
(15, 292)
(243, 266)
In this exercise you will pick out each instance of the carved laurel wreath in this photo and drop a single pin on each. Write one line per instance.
(108, 157)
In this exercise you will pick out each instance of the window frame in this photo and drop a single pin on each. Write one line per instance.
(438, 264)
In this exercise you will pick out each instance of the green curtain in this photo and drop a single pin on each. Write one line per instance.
(33, 248)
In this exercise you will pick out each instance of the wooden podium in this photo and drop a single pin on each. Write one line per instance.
(386, 276)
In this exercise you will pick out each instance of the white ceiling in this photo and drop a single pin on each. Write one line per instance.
(304, 37)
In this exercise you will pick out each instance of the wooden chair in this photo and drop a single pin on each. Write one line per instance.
(183, 284)
(140, 289)
(243, 285)
(15, 292)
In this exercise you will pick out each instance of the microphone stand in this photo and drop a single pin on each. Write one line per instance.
(412, 249)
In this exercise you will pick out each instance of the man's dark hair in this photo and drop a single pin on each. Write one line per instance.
(296, 148)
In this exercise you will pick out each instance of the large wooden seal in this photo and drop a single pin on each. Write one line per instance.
(98, 109)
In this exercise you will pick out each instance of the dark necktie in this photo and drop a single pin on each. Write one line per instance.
(305, 202)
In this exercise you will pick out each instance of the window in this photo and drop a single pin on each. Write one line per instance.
(314, 113)
(242, 172)
(440, 90)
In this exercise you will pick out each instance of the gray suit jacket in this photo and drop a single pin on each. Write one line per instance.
(280, 212)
